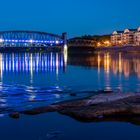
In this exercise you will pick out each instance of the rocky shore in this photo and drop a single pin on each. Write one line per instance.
(98, 108)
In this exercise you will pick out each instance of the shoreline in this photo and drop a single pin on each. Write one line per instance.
(97, 108)
(91, 50)
(83, 50)
(119, 49)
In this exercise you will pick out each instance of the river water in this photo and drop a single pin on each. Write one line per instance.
(29, 80)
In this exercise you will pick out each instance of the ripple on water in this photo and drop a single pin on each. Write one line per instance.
(17, 97)
(21, 97)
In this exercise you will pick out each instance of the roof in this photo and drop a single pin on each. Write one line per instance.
(132, 29)
(120, 31)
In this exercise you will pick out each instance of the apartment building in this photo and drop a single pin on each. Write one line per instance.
(137, 37)
(126, 37)
(116, 38)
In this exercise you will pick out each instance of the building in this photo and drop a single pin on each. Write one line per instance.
(116, 38)
(126, 37)
(137, 37)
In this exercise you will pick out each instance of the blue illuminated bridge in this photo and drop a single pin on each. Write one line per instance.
(31, 39)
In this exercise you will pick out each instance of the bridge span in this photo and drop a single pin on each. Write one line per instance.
(23, 38)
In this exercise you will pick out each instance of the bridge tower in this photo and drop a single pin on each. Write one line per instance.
(64, 36)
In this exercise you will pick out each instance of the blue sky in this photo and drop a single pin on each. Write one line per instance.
(77, 17)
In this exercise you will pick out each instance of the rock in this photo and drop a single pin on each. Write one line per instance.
(35, 111)
(128, 107)
(14, 115)
(73, 94)
(102, 107)
(105, 91)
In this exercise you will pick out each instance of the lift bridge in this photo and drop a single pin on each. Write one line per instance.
(31, 39)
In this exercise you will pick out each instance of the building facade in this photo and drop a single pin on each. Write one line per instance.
(126, 37)
(137, 37)
(116, 38)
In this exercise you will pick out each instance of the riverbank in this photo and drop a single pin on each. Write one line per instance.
(81, 50)
(97, 108)
(119, 49)
(90, 50)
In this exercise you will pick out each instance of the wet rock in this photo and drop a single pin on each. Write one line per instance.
(36, 111)
(73, 94)
(105, 91)
(96, 108)
(14, 115)
(129, 107)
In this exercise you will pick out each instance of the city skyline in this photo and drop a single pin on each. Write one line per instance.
(78, 17)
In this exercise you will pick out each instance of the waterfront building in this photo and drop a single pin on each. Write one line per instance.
(137, 37)
(126, 37)
(116, 38)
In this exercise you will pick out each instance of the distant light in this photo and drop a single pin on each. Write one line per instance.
(57, 42)
(98, 44)
(31, 41)
(1, 40)
(107, 43)
(120, 42)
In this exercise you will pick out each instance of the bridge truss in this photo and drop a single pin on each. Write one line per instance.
(30, 39)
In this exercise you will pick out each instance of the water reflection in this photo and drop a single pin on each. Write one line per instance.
(116, 71)
(31, 63)
(30, 79)
(116, 63)
(35, 79)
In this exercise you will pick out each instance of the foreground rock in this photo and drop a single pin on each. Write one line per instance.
(14, 115)
(103, 107)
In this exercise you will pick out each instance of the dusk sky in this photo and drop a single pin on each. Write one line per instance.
(76, 17)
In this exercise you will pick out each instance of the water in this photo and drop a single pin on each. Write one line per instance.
(29, 80)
